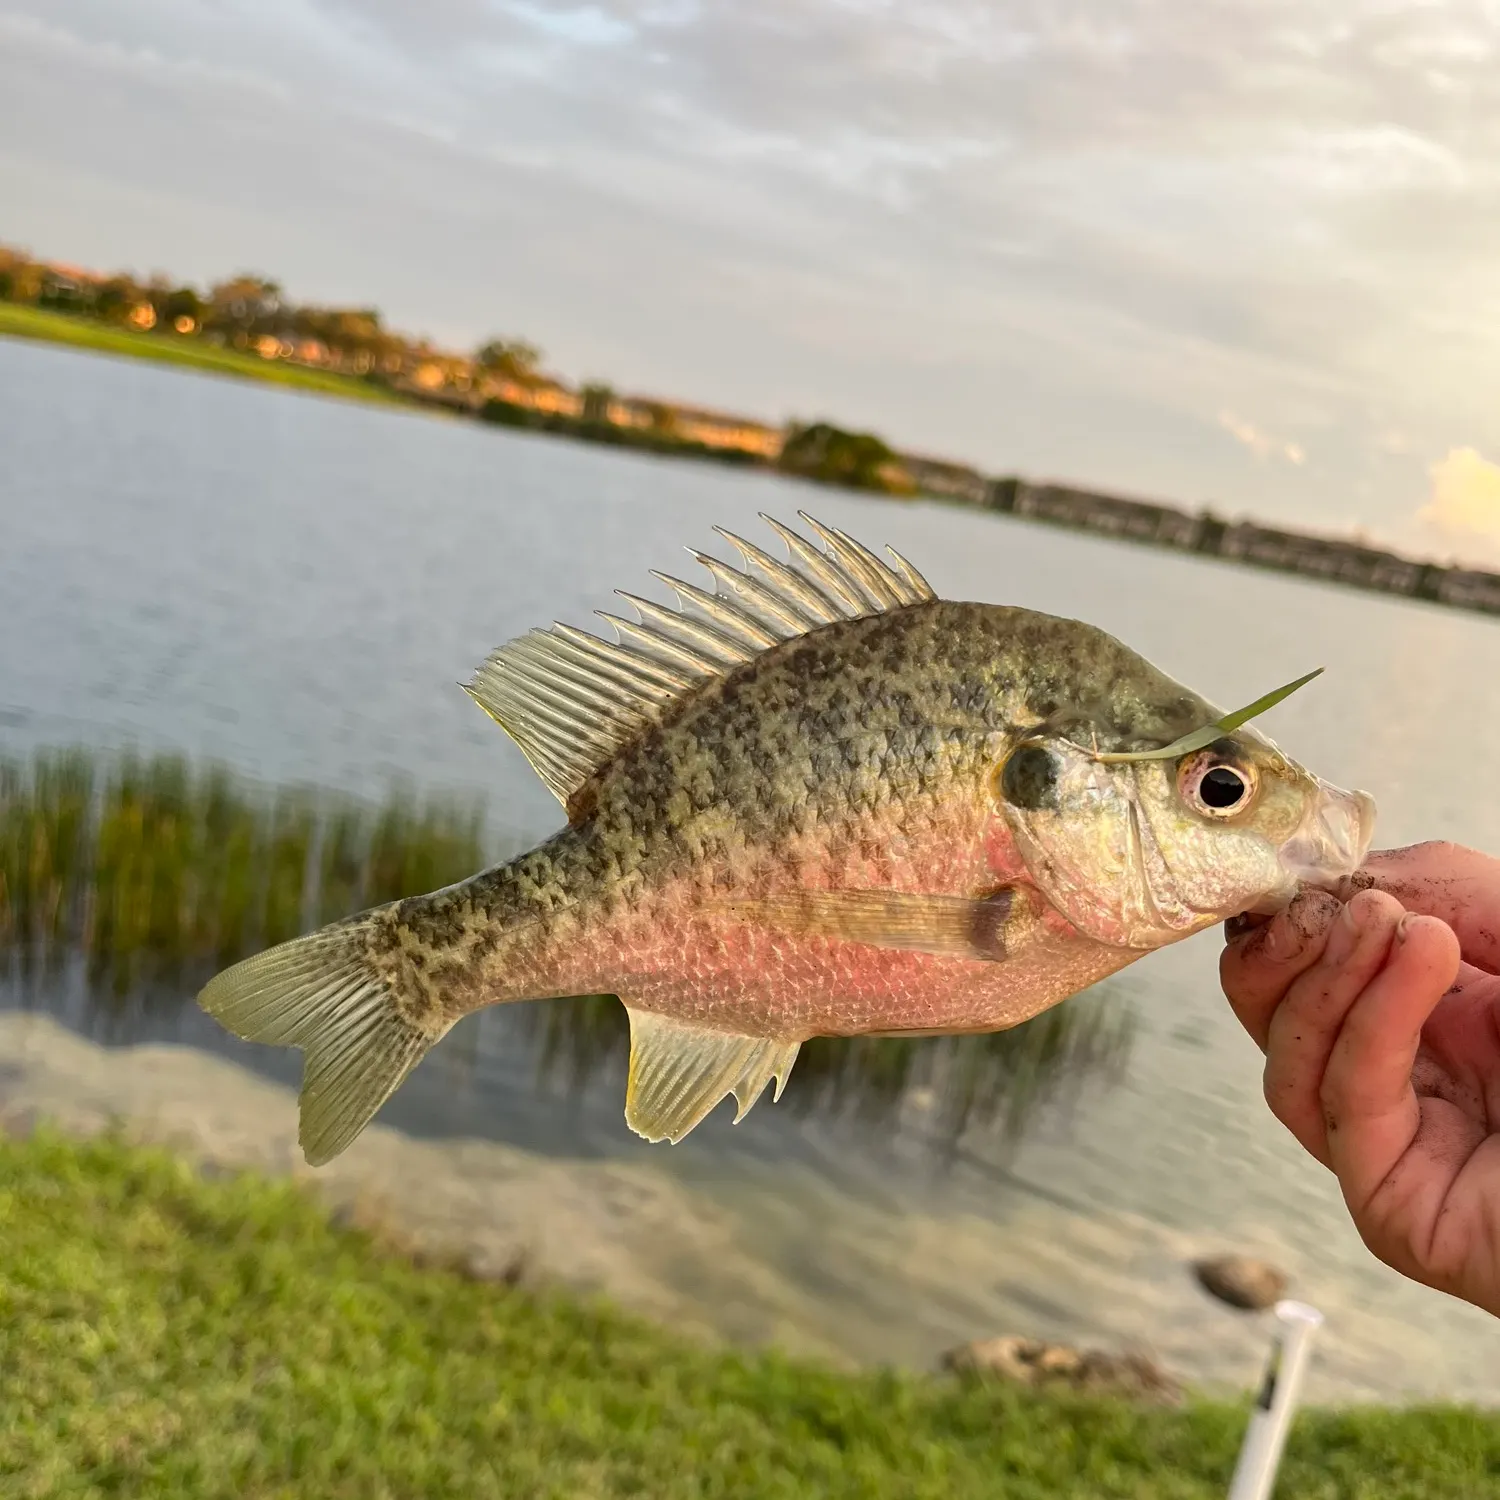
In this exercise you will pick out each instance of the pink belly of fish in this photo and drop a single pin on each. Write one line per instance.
(758, 982)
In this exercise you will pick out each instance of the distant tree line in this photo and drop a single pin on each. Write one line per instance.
(243, 310)
(831, 455)
(502, 380)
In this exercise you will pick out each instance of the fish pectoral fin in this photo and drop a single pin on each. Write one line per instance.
(679, 1072)
(984, 927)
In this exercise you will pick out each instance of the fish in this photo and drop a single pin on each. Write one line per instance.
(809, 799)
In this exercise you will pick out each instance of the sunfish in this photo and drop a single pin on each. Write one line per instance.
(815, 801)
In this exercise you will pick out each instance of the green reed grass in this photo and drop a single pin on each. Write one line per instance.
(156, 872)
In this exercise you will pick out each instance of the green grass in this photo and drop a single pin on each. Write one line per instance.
(170, 348)
(168, 1335)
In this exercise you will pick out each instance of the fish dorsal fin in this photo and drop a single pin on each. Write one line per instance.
(572, 700)
(679, 1072)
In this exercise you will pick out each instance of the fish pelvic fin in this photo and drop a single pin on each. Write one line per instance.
(320, 993)
(679, 1072)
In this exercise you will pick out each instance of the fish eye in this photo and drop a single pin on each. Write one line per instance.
(1214, 787)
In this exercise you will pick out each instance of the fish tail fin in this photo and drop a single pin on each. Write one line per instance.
(320, 993)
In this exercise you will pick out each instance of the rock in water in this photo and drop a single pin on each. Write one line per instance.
(1252, 1285)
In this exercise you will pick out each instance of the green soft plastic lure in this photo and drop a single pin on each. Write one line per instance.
(1199, 738)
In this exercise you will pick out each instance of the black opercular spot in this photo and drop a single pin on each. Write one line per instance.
(1222, 787)
(1029, 779)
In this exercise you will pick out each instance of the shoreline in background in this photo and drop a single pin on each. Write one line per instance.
(819, 452)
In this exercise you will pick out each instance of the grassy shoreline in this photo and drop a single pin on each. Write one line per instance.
(172, 1334)
(42, 326)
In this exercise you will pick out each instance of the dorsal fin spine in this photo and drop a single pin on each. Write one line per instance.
(914, 580)
(777, 614)
(818, 564)
(725, 611)
(865, 566)
(662, 646)
(814, 602)
(673, 622)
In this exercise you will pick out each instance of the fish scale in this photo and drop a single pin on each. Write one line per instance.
(796, 807)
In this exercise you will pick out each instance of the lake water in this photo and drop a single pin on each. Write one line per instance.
(295, 586)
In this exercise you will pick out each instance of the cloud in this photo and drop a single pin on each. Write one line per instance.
(1465, 497)
(1042, 234)
(1261, 444)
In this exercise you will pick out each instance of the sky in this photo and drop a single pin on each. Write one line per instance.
(1233, 252)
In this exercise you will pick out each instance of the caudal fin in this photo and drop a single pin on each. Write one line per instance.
(319, 993)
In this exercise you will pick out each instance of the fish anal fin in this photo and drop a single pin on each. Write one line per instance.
(986, 927)
(679, 1071)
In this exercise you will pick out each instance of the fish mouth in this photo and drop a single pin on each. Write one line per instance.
(1333, 839)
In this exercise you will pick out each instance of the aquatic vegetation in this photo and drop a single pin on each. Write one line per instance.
(153, 872)
(136, 876)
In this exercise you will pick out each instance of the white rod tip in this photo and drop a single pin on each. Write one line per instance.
(1299, 1312)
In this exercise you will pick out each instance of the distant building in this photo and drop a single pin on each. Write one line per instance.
(1468, 588)
(940, 476)
(554, 397)
(69, 277)
(697, 424)
(1109, 515)
(535, 395)
(65, 286)
(1332, 558)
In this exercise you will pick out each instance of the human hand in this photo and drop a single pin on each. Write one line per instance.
(1380, 1021)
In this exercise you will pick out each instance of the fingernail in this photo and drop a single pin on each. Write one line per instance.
(1342, 937)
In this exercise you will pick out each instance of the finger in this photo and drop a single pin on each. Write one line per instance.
(1305, 1027)
(1461, 1040)
(1461, 886)
(1257, 967)
(1370, 1109)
